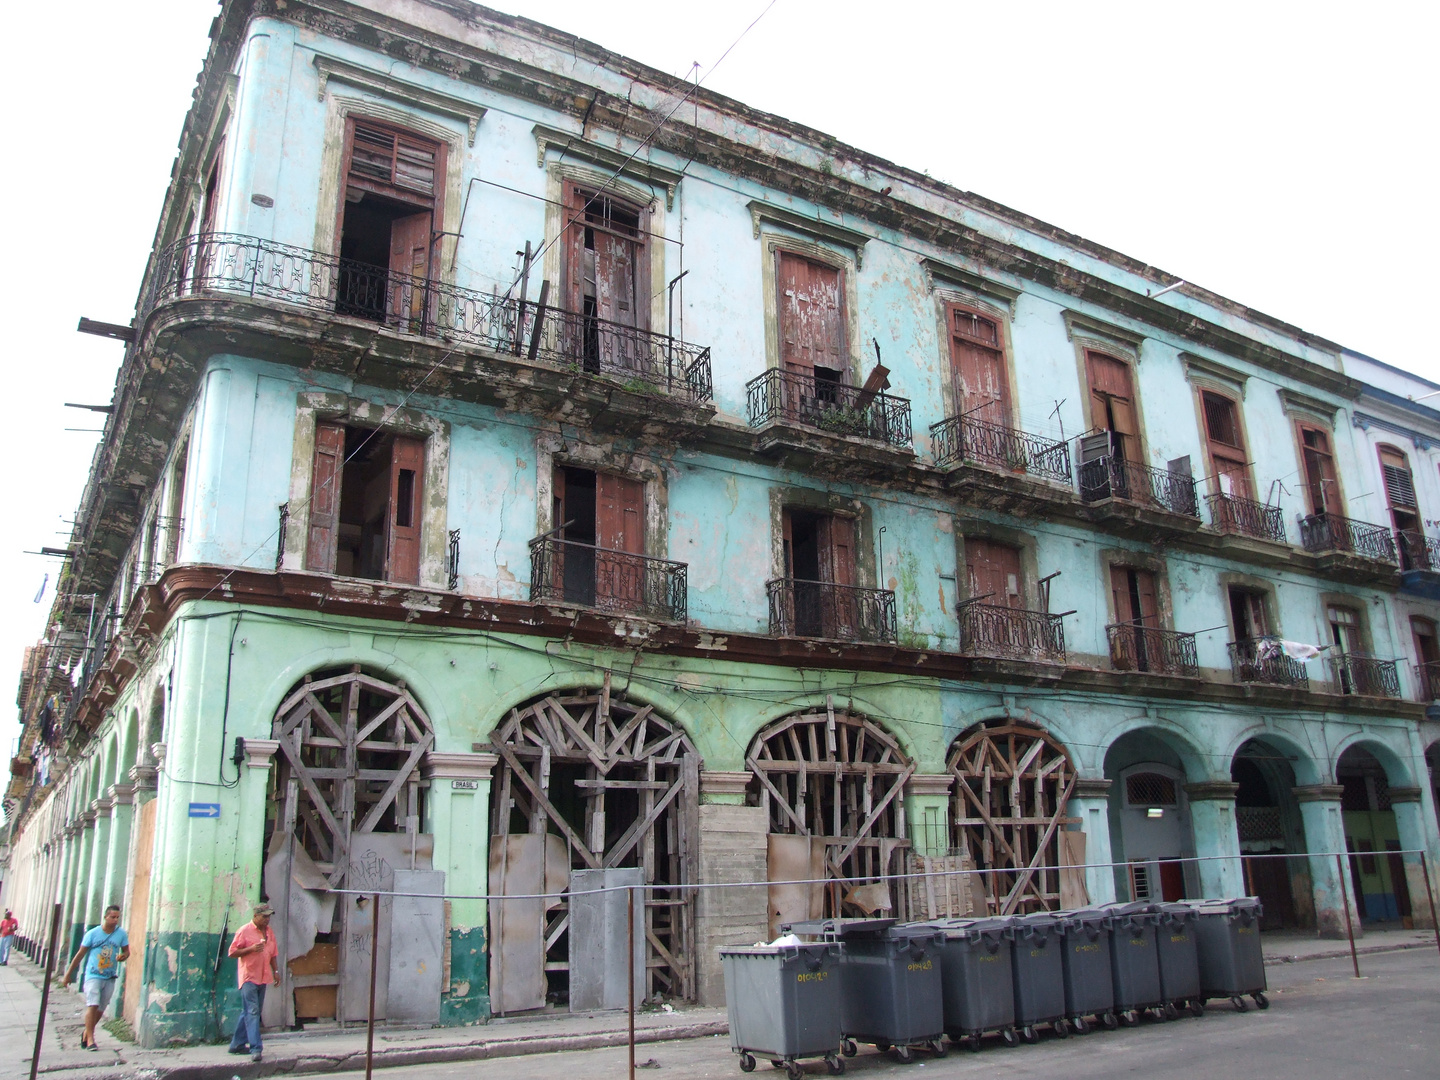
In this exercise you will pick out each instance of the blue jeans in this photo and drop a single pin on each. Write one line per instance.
(5, 943)
(247, 1028)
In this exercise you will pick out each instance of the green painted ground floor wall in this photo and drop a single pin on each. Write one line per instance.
(220, 672)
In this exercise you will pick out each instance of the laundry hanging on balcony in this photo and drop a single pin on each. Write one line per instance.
(1270, 648)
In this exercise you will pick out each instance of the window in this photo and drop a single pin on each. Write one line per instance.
(1145, 789)
(607, 275)
(811, 311)
(819, 551)
(1112, 405)
(1345, 629)
(993, 573)
(1322, 490)
(1404, 513)
(1248, 614)
(393, 199)
(977, 366)
(210, 207)
(1422, 631)
(365, 504)
(1139, 646)
(1226, 444)
(600, 518)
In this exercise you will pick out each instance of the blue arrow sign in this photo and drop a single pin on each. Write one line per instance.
(205, 809)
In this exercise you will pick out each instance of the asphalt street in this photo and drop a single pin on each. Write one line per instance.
(1322, 1024)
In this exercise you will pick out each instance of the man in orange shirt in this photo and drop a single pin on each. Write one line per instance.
(255, 949)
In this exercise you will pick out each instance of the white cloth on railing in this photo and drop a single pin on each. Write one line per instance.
(1270, 648)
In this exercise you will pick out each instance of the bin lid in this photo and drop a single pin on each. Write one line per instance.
(972, 928)
(1037, 918)
(1229, 906)
(841, 928)
(1135, 907)
(774, 950)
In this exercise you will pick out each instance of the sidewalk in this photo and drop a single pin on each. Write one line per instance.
(333, 1050)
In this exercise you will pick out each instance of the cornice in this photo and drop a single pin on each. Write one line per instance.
(1421, 441)
(1212, 791)
(932, 784)
(332, 69)
(1318, 793)
(1092, 788)
(576, 145)
(1199, 367)
(939, 273)
(763, 213)
(1080, 325)
(724, 783)
(1295, 403)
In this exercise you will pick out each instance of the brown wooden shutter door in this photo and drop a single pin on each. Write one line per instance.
(615, 278)
(407, 470)
(619, 513)
(991, 567)
(787, 540)
(1120, 591)
(980, 377)
(842, 550)
(410, 265)
(325, 497)
(793, 281)
(1149, 607)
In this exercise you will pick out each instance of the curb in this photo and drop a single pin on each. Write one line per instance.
(296, 1064)
(1344, 954)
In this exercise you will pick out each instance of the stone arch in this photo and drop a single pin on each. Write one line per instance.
(598, 784)
(130, 752)
(832, 785)
(1397, 766)
(1302, 761)
(1269, 824)
(1370, 795)
(1013, 781)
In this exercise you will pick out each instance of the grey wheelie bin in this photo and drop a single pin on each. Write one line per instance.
(977, 979)
(1227, 939)
(1134, 967)
(1039, 973)
(1089, 990)
(1179, 960)
(890, 993)
(784, 1004)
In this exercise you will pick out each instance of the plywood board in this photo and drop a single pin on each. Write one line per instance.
(795, 858)
(517, 927)
(599, 939)
(417, 947)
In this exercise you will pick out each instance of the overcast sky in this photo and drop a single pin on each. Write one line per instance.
(1280, 154)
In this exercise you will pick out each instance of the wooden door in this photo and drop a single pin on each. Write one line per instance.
(1112, 396)
(1227, 446)
(977, 365)
(1133, 594)
(402, 554)
(1321, 486)
(137, 908)
(837, 549)
(811, 315)
(994, 569)
(409, 267)
(620, 577)
(325, 496)
(1172, 881)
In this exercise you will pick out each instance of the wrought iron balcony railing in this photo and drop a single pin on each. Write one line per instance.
(844, 410)
(1261, 660)
(1331, 532)
(1418, 551)
(230, 265)
(1356, 673)
(823, 609)
(1109, 478)
(607, 580)
(1134, 647)
(1427, 681)
(963, 438)
(1010, 633)
(1232, 514)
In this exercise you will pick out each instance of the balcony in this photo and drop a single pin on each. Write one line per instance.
(962, 439)
(614, 582)
(1418, 551)
(788, 396)
(1427, 681)
(1149, 649)
(1355, 673)
(823, 609)
(1322, 533)
(1260, 660)
(1010, 633)
(1246, 517)
(1110, 478)
(235, 266)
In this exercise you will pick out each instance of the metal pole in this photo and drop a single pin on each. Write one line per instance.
(1345, 900)
(630, 967)
(45, 992)
(374, 959)
(1430, 894)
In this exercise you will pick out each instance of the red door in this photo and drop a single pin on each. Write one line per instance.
(409, 268)
(620, 536)
(993, 569)
(978, 367)
(325, 497)
(402, 554)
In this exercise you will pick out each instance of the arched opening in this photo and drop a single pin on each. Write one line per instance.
(1013, 782)
(592, 790)
(1269, 823)
(1432, 770)
(832, 785)
(345, 813)
(1150, 830)
(1380, 890)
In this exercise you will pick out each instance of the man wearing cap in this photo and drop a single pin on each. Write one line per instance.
(255, 950)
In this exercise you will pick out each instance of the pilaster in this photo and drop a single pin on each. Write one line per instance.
(1090, 802)
(724, 787)
(927, 806)
(1217, 840)
(1325, 835)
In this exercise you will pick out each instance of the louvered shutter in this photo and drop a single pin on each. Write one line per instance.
(407, 470)
(325, 497)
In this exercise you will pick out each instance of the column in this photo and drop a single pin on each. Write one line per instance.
(117, 863)
(1217, 840)
(458, 809)
(1410, 821)
(95, 902)
(254, 786)
(1090, 802)
(78, 911)
(927, 806)
(1325, 835)
(733, 846)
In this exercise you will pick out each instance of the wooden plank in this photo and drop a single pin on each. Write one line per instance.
(545, 805)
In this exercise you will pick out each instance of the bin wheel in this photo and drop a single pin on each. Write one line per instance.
(973, 1041)
(937, 1047)
(1238, 1002)
(904, 1055)
(1261, 1001)
(1132, 1017)
(1197, 1008)
(836, 1064)
(848, 1048)
(793, 1070)
(882, 1047)
(1171, 1012)
(1062, 1028)
(747, 1062)
(1009, 1036)
(1110, 1020)
(776, 1063)
(1082, 1025)
(1029, 1034)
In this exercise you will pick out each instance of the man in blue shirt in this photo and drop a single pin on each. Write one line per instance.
(103, 948)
